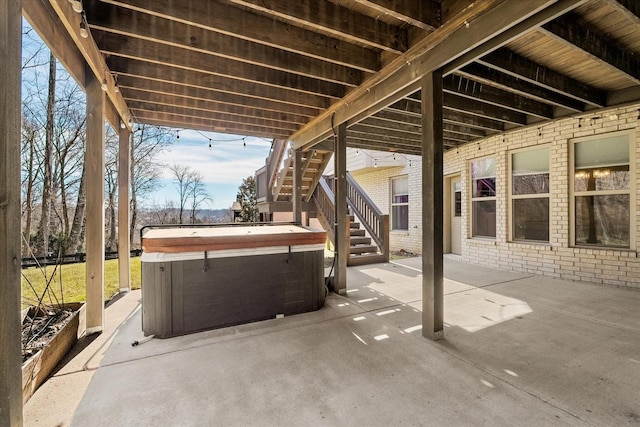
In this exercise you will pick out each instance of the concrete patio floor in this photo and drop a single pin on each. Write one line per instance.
(518, 350)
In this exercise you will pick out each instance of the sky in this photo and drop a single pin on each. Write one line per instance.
(223, 166)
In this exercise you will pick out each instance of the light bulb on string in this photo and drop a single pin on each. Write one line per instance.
(76, 5)
(83, 30)
(177, 134)
(244, 142)
(210, 147)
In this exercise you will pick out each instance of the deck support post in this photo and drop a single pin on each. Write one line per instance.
(10, 109)
(95, 203)
(296, 194)
(341, 226)
(124, 218)
(432, 207)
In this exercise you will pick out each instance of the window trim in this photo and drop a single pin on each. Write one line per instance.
(392, 204)
(631, 191)
(495, 157)
(511, 197)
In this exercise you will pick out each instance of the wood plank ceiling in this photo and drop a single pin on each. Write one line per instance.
(269, 68)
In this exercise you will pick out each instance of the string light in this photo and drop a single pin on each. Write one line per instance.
(177, 134)
(84, 33)
(76, 5)
(210, 147)
(244, 142)
(104, 85)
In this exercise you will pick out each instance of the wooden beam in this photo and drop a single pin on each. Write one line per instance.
(466, 88)
(342, 225)
(432, 208)
(10, 243)
(402, 75)
(383, 134)
(124, 220)
(131, 24)
(410, 107)
(169, 94)
(462, 119)
(218, 117)
(44, 20)
(335, 20)
(113, 44)
(172, 120)
(630, 9)
(384, 147)
(597, 45)
(421, 14)
(522, 68)
(95, 161)
(233, 21)
(229, 52)
(137, 73)
(559, 8)
(482, 109)
(506, 82)
(380, 124)
(91, 54)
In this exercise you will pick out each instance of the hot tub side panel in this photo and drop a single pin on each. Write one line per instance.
(157, 299)
(180, 297)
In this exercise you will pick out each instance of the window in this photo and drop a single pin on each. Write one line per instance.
(483, 197)
(530, 195)
(457, 201)
(400, 203)
(602, 191)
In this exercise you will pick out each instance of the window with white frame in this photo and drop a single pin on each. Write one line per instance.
(530, 195)
(483, 197)
(602, 191)
(400, 203)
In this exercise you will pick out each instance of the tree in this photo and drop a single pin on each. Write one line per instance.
(248, 200)
(182, 176)
(191, 191)
(145, 169)
(198, 194)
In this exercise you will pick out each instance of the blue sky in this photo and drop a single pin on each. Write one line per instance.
(223, 166)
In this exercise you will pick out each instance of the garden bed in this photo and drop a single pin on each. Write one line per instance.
(46, 340)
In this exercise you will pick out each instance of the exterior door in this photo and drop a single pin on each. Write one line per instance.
(456, 216)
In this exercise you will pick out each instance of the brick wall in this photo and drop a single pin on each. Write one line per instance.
(556, 258)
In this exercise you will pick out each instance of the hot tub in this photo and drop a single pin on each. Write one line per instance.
(210, 277)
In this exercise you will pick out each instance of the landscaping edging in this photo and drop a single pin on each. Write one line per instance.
(38, 368)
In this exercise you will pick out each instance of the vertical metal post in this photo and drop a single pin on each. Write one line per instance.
(432, 207)
(341, 226)
(95, 203)
(10, 109)
(124, 218)
(297, 187)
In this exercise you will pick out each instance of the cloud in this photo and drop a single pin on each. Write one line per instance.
(228, 160)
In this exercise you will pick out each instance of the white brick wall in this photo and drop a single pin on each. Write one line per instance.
(556, 259)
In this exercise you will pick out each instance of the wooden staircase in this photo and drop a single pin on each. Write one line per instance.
(368, 227)
(314, 163)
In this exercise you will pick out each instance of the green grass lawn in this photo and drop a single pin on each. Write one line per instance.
(71, 279)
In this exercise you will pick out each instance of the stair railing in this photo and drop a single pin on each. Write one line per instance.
(369, 215)
(372, 219)
(325, 203)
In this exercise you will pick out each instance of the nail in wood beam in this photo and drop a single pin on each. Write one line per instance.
(432, 207)
(95, 204)
(10, 108)
(341, 226)
(124, 182)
